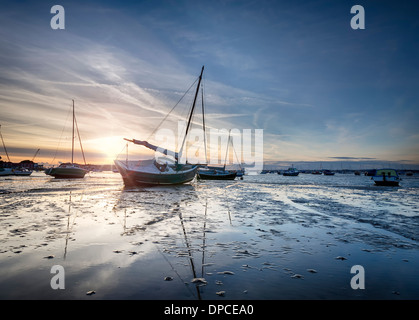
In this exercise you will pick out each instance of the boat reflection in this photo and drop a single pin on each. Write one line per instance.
(198, 281)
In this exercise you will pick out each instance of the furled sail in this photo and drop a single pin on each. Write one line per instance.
(153, 147)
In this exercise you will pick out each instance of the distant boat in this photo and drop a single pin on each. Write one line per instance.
(316, 172)
(68, 170)
(12, 171)
(22, 172)
(357, 173)
(328, 173)
(409, 173)
(386, 177)
(151, 172)
(6, 172)
(291, 172)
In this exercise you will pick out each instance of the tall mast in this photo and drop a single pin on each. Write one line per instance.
(72, 139)
(78, 134)
(203, 125)
(228, 143)
(193, 107)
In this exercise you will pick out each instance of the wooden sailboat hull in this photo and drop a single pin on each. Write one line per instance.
(66, 173)
(139, 177)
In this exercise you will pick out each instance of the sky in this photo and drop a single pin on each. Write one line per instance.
(319, 90)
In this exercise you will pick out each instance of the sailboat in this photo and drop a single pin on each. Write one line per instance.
(218, 173)
(12, 171)
(150, 172)
(69, 170)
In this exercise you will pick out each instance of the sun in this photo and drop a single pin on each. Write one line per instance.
(106, 149)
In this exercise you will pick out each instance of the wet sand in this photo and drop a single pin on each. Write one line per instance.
(265, 237)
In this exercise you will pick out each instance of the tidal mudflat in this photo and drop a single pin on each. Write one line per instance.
(265, 237)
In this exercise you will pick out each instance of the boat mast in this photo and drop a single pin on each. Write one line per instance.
(4, 146)
(203, 125)
(72, 139)
(81, 146)
(126, 159)
(228, 143)
(192, 110)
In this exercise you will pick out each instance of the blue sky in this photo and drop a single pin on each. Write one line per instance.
(319, 89)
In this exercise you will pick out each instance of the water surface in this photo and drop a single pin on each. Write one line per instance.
(264, 237)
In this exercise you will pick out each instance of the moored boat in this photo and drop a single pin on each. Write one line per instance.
(12, 171)
(386, 177)
(6, 172)
(165, 171)
(216, 174)
(69, 170)
(150, 172)
(291, 172)
(22, 172)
